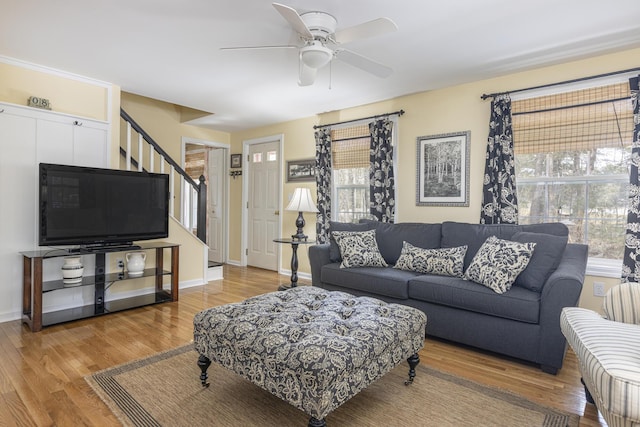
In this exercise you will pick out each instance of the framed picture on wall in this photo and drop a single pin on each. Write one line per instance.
(301, 170)
(443, 169)
(236, 160)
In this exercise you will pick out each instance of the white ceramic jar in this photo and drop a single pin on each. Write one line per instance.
(135, 263)
(72, 271)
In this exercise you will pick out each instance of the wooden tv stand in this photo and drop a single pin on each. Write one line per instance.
(33, 286)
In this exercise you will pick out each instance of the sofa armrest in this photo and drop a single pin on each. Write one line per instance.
(318, 256)
(562, 289)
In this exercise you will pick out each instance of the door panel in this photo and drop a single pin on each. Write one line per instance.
(263, 205)
(215, 204)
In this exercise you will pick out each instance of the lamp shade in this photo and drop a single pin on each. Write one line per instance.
(302, 201)
(316, 55)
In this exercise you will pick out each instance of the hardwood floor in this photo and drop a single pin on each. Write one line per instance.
(42, 374)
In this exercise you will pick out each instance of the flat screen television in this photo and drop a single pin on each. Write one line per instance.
(94, 207)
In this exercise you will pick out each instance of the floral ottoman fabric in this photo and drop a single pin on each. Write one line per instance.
(313, 348)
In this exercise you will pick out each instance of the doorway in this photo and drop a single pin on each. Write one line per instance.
(209, 159)
(262, 194)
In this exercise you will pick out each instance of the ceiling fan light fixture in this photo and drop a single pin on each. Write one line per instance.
(315, 55)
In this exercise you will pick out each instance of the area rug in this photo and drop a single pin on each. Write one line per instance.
(165, 390)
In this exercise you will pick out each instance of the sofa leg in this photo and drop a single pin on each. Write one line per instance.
(587, 393)
(413, 362)
(314, 422)
(203, 364)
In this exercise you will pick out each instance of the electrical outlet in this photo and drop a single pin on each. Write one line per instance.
(598, 289)
(120, 263)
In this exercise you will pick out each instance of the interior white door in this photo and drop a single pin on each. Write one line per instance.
(263, 204)
(215, 204)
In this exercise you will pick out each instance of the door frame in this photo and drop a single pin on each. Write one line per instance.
(245, 192)
(225, 222)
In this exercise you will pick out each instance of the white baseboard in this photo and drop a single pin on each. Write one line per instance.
(306, 276)
(215, 273)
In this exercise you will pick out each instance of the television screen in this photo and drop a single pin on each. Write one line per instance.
(94, 207)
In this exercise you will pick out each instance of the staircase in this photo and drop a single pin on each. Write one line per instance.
(147, 155)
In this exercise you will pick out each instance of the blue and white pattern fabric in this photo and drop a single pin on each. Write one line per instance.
(359, 249)
(443, 262)
(498, 262)
(323, 182)
(313, 348)
(381, 177)
(631, 259)
(499, 199)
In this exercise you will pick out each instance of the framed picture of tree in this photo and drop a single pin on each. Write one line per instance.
(443, 169)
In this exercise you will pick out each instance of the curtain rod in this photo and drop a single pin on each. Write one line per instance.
(399, 113)
(493, 95)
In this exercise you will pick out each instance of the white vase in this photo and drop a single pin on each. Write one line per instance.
(135, 263)
(72, 271)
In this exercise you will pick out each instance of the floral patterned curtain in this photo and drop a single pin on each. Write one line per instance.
(382, 200)
(631, 260)
(499, 201)
(323, 182)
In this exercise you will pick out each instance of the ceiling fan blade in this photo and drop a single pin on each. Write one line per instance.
(364, 63)
(260, 47)
(294, 19)
(366, 29)
(307, 75)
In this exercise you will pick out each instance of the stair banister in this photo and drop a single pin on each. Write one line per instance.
(200, 188)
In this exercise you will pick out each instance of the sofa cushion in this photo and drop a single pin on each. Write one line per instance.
(474, 235)
(390, 237)
(389, 282)
(443, 261)
(545, 259)
(517, 304)
(498, 262)
(334, 250)
(359, 249)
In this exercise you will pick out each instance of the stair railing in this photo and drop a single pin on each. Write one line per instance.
(197, 192)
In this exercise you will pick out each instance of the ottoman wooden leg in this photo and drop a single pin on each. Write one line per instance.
(203, 364)
(314, 422)
(413, 362)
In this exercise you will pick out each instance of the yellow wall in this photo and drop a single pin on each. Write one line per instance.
(452, 109)
(299, 144)
(162, 121)
(77, 97)
(83, 97)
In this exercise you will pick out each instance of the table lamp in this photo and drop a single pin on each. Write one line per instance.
(301, 202)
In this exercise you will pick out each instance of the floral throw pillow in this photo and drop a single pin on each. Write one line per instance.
(443, 262)
(359, 249)
(498, 262)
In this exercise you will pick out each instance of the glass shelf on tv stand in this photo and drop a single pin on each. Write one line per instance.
(34, 287)
(54, 285)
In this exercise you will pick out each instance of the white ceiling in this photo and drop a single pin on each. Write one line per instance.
(170, 49)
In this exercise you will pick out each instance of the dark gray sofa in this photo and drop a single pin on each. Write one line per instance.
(523, 322)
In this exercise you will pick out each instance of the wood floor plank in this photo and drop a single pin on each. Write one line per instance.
(42, 374)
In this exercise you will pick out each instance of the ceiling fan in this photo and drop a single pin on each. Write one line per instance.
(321, 43)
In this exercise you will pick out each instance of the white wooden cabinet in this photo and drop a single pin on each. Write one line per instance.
(29, 136)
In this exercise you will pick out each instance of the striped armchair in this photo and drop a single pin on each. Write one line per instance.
(608, 350)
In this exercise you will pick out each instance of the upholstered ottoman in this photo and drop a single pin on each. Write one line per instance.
(313, 348)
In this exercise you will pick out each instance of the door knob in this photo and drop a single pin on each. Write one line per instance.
(276, 213)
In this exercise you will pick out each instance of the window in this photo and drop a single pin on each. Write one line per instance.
(572, 152)
(350, 165)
